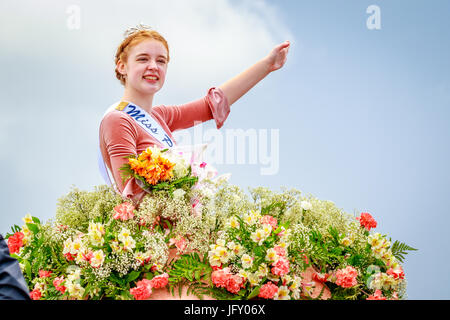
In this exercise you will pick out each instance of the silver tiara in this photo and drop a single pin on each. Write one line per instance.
(139, 27)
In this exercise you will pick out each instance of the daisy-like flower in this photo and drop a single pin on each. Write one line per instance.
(128, 243)
(247, 261)
(233, 222)
(27, 219)
(97, 259)
(272, 255)
(282, 294)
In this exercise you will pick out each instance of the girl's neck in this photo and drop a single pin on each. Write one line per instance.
(143, 101)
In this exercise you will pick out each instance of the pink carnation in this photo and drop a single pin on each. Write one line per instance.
(396, 273)
(220, 277)
(142, 291)
(235, 283)
(44, 274)
(281, 267)
(123, 211)
(160, 281)
(35, 294)
(367, 221)
(268, 291)
(346, 278)
(15, 242)
(57, 283)
(225, 279)
(376, 296)
(269, 220)
(281, 252)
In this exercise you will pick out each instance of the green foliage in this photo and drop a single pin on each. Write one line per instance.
(189, 267)
(399, 250)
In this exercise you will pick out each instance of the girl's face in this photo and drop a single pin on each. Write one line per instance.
(146, 67)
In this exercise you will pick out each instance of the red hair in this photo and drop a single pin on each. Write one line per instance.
(132, 40)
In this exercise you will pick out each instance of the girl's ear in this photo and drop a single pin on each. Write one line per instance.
(121, 68)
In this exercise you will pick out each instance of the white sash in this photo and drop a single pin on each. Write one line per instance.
(145, 121)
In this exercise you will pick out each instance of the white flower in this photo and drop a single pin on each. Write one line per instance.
(128, 243)
(27, 218)
(233, 222)
(272, 255)
(75, 290)
(263, 270)
(97, 259)
(124, 234)
(306, 205)
(346, 242)
(252, 217)
(247, 261)
(95, 233)
(253, 279)
(258, 236)
(178, 194)
(282, 294)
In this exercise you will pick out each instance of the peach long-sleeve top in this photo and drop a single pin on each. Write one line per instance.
(121, 136)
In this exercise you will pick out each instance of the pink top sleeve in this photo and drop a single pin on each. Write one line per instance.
(213, 106)
(121, 136)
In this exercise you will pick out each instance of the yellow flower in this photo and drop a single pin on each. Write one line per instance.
(234, 222)
(28, 218)
(282, 294)
(97, 259)
(263, 270)
(254, 279)
(247, 261)
(124, 234)
(128, 243)
(345, 242)
(271, 255)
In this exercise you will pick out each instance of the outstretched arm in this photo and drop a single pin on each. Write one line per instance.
(239, 85)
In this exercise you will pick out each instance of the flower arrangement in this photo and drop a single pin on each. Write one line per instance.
(156, 169)
(230, 245)
(257, 257)
(103, 262)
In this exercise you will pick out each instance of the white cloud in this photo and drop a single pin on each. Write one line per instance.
(210, 41)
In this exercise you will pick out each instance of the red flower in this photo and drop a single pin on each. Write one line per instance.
(367, 221)
(44, 274)
(15, 242)
(160, 281)
(225, 279)
(35, 294)
(269, 220)
(143, 291)
(396, 273)
(346, 278)
(281, 267)
(376, 296)
(123, 211)
(57, 283)
(69, 256)
(320, 277)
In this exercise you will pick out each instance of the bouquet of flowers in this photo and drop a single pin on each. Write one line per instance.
(156, 169)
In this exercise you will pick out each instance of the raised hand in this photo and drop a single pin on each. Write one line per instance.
(278, 56)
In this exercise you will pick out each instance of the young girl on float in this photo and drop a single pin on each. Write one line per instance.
(133, 124)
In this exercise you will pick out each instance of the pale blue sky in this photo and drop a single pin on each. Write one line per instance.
(363, 115)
